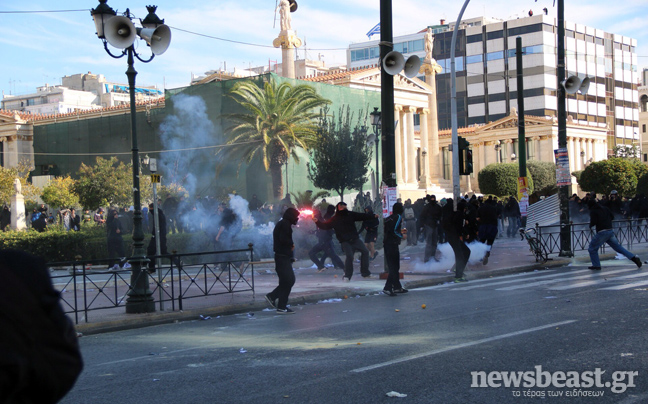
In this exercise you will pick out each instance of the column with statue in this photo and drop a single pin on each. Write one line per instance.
(287, 38)
(18, 221)
(431, 68)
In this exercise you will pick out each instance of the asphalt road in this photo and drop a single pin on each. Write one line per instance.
(570, 334)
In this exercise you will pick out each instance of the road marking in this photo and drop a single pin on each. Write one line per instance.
(596, 282)
(464, 345)
(626, 286)
(555, 275)
(540, 283)
(449, 284)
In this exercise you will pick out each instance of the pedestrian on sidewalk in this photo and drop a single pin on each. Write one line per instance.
(325, 243)
(410, 222)
(115, 241)
(430, 218)
(487, 219)
(601, 217)
(284, 250)
(453, 224)
(371, 235)
(343, 222)
(392, 239)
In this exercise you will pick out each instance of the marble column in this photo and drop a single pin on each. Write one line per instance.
(411, 148)
(431, 68)
(588, 150)
(571, 154)
(288, 41)
(425, 149)
(397, 144)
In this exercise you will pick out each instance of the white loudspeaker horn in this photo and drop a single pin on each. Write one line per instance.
(120, 32)
(572, 84)
(584, 86)
(157, 38)
(412, 66)
(393, 63)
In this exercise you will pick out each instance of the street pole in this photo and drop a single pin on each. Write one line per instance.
(387, 97)
(563, 190)
(140, 299)
(156, 222)
(524, 203)
(456, 191)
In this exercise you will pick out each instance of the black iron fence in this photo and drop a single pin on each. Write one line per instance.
(629, 232)
(92, 285)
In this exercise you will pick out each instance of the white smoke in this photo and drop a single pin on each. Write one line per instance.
(446, 257)
(241, 207)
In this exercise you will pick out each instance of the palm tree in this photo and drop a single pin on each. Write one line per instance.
(280, 119)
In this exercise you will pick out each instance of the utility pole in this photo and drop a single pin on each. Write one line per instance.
(563, 190)
(387, 97)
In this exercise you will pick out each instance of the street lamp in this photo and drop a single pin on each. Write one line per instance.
(498, 147)
(376, 122)
(513, 157)
(120, 32)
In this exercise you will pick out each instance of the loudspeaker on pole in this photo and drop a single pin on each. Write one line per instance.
(393, 63)
(120, 32)
(157, 38)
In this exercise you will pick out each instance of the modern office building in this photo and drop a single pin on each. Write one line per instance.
(486, 71)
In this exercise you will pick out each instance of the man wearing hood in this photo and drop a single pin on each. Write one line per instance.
(325, 243)
(393, 236)
(371, 227)
(601, 217)
(343, 222)
(430, 218)
(453, 225)
(284, 249)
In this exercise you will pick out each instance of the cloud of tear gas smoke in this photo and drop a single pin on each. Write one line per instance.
(447, 258)
(188, 127)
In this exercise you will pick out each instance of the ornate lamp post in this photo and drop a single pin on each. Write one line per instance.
(376, 122)
(121, 33)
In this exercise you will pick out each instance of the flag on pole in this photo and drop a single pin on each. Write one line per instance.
(375, 30)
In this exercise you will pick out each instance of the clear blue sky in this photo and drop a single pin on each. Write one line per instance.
(41, 48)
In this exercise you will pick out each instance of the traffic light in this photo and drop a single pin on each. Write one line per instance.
(465, 157)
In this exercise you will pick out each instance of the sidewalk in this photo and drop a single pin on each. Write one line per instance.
(509, 255)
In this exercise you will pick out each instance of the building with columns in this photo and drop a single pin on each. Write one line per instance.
(16, 139)
(497, 142)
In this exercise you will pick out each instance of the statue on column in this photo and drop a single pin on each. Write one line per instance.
(428, 41)
(18, 220)
(284, 15)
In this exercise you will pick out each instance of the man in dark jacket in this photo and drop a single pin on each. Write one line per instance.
(393, 236)
(343, 222)
(487, 219)
(430, 218)
(151, 249)
(601, 217)
(325, 243)
(453, 224)
(284, 257)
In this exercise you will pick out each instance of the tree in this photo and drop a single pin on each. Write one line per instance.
(501, 179)
(109, 183)
(280, 119)
(307, 199)
(340, 159)
(544, 176)
(627, 151)
(60, 193)
(615, 173)
(7, 177)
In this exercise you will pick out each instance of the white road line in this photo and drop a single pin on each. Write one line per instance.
(449, 284)
(561, 274)
(464, 345)
(540, 283)
(627, 286)
(596, 282)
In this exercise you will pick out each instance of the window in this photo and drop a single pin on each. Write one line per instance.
(474, 59)
(495, 35)
(643, 128)
(524, 30)
(495, 55)
(474, 38)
